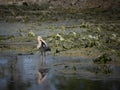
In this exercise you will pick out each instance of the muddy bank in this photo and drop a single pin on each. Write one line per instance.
(67, 37)
(45, 12)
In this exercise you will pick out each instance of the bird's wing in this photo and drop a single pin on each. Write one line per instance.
(45, 44)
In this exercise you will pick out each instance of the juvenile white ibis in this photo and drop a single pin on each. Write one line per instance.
(43, 47)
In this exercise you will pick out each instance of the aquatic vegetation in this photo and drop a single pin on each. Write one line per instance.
(104, 69)
(6, 37)
(31, 34)
(60, 37)
(53, 27)
(102, 59)
(99, 29)
(74, 34)
(85, 25)
(93, 37)
(99, 34)
(73, 40)
(113, 36)
(63, 27)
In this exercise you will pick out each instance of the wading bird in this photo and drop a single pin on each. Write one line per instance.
(43, 47)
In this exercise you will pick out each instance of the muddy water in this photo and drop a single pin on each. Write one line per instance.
(25, 72)
(43, 29)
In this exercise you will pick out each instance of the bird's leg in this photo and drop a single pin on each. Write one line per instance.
(42, 58)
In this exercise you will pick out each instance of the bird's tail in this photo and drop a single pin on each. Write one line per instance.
(47, 48)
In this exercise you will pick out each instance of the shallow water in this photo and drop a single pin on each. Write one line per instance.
(25, 72)
(43, 29)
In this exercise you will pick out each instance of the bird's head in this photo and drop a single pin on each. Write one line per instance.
(39, 38)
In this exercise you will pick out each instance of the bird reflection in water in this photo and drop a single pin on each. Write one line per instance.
(28, 70)
(16, 82)
(41, 75)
